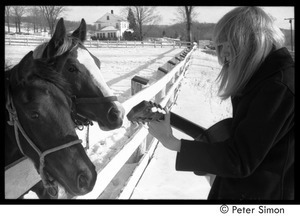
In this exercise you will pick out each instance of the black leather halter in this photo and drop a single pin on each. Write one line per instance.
(81, 120)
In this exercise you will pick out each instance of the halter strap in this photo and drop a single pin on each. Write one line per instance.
(81, 120)
(13, 121)
(95, 100)
(43, 155)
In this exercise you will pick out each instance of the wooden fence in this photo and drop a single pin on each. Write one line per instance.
(98, 44)
(21, 176)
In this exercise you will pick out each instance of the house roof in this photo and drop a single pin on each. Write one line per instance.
(118, 18)
(109, 28)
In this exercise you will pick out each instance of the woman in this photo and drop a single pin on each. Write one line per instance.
(256, 162)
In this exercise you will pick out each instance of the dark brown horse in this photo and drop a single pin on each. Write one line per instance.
(39, 124)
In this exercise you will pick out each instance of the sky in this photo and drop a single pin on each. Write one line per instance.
(207, 14)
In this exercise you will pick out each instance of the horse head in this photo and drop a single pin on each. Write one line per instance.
(92, 96)
(39, 106)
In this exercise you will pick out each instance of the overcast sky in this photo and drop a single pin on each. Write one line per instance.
(208, 14)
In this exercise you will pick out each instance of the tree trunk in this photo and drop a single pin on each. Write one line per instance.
(141, 32)
(8, 27)
(188, 11)
(188, 28)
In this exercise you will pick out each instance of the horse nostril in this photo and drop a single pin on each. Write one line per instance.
(113, 115)
(86, 180)
(83, 182)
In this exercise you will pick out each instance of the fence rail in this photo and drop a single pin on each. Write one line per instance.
(164, 91)
(97, 43)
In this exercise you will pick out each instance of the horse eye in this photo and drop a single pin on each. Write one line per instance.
(34, 115)
(72, 69)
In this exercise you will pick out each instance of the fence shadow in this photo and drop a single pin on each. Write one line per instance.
(134, 72)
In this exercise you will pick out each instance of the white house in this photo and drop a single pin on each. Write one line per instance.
(111, 26)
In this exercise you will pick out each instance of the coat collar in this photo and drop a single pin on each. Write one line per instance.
(276, 61)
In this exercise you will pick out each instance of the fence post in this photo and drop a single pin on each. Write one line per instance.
(126, 43)
(9, 41)
(137, 84)
(161, 94)
(171, 64)
(134, 44)
(27, 41)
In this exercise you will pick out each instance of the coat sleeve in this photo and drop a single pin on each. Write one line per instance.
(270, 115)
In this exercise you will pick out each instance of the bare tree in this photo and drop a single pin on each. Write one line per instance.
(51, 14)
(7, 16)
(144, 15)
(36, 17)
(18, 12)
(187, 15)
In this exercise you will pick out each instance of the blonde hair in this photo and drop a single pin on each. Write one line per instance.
(251, 35)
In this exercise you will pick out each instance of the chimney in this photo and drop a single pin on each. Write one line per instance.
(112, 12)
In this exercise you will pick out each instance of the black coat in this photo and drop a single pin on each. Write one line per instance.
(257, 161)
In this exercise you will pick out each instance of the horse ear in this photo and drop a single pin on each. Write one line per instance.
(26, 63)
(80, 33)
(22, 69)
(57, 39)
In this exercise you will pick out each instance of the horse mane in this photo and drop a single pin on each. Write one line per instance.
(47, 72)
(38, 51)
(69, 43)
(43, 70)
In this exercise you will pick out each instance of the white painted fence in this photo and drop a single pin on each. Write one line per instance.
(21, 176)
(26, 41)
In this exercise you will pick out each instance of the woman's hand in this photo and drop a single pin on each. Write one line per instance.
(163, 132)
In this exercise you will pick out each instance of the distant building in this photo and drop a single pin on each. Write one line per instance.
(111, 26)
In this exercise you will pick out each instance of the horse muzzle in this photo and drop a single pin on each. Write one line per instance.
(86, 181)
(115, 116)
